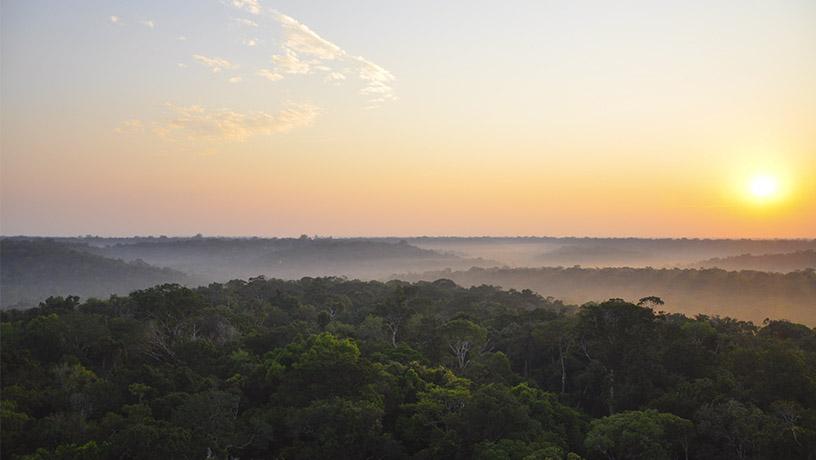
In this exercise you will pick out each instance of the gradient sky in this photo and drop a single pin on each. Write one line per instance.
(367, 117)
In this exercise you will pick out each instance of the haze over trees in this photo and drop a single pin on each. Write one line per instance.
(35, 268)
(787, 262)
(316, 368)
(91, 266)
(31, 270)
(607, 252)
(752, 295)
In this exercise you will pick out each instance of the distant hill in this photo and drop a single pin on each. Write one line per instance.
(606, 252)
(218, 259)
(32, 270)
(594, 255)
(786, 262)
(750, 295)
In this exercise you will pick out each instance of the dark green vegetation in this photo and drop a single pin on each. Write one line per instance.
(30, 271)
(746, 294)
(328, 368)
(786, 262)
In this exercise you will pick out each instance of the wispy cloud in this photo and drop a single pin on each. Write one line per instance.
(300, 38)
(250, 42)
(115, 19)
(226, 125)
(288, 62)
(130, 126)
(250, 6)
(334, 77)
(304, 51)
(148, 23)
(234, 79)
(214, 63)
(269, 74)
(378, 81)
(245, 22)
(181, 38)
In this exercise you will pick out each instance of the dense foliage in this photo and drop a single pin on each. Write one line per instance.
(330, 368)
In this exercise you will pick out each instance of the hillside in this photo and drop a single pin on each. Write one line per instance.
(787, 262)
(218, 259)
(32, 270)
(750, 295)
(606, 252)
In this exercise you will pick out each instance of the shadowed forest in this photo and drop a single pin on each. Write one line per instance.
(331, 368)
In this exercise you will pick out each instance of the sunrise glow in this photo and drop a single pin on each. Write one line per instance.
(764, 187)
(568, 118)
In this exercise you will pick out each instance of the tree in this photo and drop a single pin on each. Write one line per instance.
(493, 413)
(462, 337)
(738, 430)
(395, 311)
(618, 339)
(339, 428)
(639, 435)
(651, 302)
(322, 367)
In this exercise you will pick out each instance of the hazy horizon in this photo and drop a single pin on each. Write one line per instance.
(405, 236)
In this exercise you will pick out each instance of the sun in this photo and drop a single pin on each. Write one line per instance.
(764, 187)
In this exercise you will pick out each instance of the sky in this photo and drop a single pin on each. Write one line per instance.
(373, 118)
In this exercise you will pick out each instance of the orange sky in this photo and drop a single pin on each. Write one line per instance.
(628, 120)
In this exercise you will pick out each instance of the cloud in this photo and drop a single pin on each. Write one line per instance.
(181, 65)
(378, 80)
(234, 79)
(250, 6)
(245, 22)
(250, 42)
(181, 38)
(305, 52)
(115, 19)
(226, 125)
(300, 38)
(214, 63)
(130, 126)
(270, 75)
(334, 77)
(148, 23)
(288, 62)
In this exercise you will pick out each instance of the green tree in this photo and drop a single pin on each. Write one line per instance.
(463, 338)
(639, 435)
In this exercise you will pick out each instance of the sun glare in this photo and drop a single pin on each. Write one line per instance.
(764, 187)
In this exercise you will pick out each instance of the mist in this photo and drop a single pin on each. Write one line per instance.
(746, 279)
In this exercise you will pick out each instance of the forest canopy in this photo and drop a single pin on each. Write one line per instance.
(331, 368)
